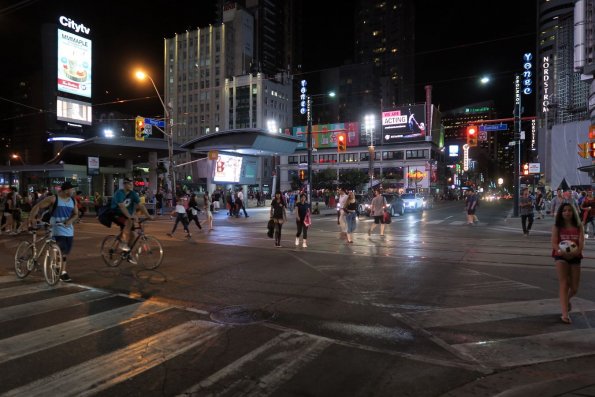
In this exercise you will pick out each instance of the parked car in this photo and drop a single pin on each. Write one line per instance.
(413, 201)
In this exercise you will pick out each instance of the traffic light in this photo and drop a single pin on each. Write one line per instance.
(139, 128)
(592, 149)
(302, 175)
(525, 169)
(472, 135)
(341, 143)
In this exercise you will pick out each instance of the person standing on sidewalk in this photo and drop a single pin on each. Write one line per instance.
(588, 207)
(303, 209)
(278, 215)
(241, 204)
(567, 226)
(209, 208)
(526, 211)
(377, 211)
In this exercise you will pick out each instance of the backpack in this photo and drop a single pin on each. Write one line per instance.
(105, 215)
(47, 215)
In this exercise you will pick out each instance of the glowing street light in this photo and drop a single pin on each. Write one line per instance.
(271, 126)
(484, 80)
(168, 132)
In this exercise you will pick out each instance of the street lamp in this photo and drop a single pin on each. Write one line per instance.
(167, 132)
(15, 156)
(369, 124)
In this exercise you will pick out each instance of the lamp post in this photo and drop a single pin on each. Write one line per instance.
(369, 124)
(168, 133)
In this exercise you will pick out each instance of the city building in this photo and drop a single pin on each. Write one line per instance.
(565, 65)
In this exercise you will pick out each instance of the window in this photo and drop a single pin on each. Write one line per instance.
(365, 156)
(348, 158)
(327, 158)
(392, 155)
(303, 159)
(292, 159)
(417, 154)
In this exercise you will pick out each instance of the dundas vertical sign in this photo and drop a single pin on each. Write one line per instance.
(545, 100)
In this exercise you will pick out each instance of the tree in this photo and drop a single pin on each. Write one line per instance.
(325, 179)
(353, 179)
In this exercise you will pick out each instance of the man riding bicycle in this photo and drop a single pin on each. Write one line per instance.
(125, 203)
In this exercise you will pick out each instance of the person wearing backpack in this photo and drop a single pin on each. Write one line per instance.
(62, 215)
(124, 205)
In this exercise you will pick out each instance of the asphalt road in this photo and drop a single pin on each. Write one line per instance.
(435, 307)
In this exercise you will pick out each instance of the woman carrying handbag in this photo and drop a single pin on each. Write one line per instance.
(278, 215)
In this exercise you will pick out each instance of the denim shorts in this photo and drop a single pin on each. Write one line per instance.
(574, 261)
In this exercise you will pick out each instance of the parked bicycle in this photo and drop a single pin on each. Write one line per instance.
(145, 250)
(29, 255)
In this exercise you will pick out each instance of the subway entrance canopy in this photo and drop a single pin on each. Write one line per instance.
(117, 149)
(247, 141)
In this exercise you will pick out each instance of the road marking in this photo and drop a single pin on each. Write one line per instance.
(34, 341)
(278, 361)
(47, 305)
(532, 349)
(28, 289)
(101, 373)
(493, 312)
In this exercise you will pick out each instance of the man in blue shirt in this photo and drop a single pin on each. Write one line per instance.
(125, 203)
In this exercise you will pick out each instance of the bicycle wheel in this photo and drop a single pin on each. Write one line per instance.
(149, 252)
(52, 263)
(23, 259)
(110, 251)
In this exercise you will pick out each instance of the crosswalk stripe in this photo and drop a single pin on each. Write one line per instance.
(493, 312)
(46, 305)
(103, 372)
(435, 222)
(278, 361)
(34, 341)
(532, 349)
(28, 289)
(8, 279)
(455, 223)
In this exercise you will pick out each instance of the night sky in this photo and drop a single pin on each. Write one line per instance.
(456, 43)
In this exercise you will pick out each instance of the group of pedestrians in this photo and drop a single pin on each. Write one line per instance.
(278, 214)
(186, 213)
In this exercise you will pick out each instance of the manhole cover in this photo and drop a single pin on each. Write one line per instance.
(241, 315)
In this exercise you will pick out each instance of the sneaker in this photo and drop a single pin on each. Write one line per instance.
(124, 247)
(297, 241)
(304, 245)
(65, 277)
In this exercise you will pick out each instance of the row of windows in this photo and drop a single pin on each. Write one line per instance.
(361, 156)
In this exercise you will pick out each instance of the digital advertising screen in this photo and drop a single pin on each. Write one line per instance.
(453, 150)
(228, 169)
(74, 64)
(324, 136)
(74, 111)
(404, 124)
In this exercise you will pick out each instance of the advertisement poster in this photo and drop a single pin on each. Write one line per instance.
(324, 136)
(74, 64)
(228, 168)
(404, 123)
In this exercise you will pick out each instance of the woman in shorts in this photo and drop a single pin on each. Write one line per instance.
(567, 227)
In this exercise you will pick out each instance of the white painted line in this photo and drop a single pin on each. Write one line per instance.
(99, 374)
(47, 305)
(278, 361)
(34, 341)
(455, 223)
(29, 289)
(493, 312)
(532, 349)
(435, 222)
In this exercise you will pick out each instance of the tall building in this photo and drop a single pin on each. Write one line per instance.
(384, 37)
(564, 79)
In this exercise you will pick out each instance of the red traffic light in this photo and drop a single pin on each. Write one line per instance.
(471, 130)
(592, 149)
(341, 143)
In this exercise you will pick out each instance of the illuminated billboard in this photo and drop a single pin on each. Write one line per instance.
(324, 136)
(227, 168)
(404, 123)
(453, 150)
(74, 64)
(74, 111)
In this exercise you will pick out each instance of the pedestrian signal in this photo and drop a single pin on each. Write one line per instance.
(139, 128)
(341, 143)
(592, 149)
(525, 169)
(302, 175)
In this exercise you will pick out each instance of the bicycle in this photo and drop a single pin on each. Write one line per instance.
(145, 250)
(26, 257)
